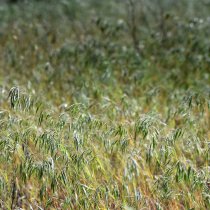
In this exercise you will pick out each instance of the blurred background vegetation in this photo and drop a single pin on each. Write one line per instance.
(118, 37)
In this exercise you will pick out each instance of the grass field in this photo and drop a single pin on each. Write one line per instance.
(105, 105)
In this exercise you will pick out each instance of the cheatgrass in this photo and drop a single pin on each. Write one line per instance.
(104, 105)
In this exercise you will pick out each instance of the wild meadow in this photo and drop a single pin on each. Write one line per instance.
(105, 105)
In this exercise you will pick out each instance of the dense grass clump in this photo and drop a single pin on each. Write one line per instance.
(104, 104)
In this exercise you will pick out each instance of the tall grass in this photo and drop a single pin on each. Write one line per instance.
(94, 115)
